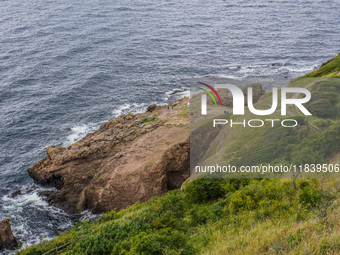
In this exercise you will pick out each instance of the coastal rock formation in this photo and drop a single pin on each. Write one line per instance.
(131, 158)
(7, 240)
(151, 108)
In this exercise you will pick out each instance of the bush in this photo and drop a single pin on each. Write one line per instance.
(206, 213)
(265, 195)
(168, 211)
(240, 201)
(323, 123)
(158, 242)
(309, 197)
(103, 240)
(204, 190)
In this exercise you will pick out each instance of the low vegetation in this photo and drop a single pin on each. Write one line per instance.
(331, 68)
(217, 216)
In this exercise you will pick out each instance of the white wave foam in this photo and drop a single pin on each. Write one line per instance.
(301, 69)
(18, 203)
(15, 207)
(230, 76)
(78, 132)
(182, 92)
(127, 108)
(21, 230)
(87, 215)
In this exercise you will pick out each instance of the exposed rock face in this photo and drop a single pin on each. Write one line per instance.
(151, 108)
(7, 240)
(125, 161)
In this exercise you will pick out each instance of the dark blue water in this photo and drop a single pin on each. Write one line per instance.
(68, 66)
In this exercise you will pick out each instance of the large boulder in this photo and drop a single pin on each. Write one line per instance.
(151, 108)
(7, 239)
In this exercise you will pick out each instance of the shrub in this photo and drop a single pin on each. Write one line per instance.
(157, 242)
(204, 190)
(201, 214)
(167, 211)
(239, 201)
(309, 197)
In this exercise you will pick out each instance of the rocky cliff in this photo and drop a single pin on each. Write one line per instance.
(7, 240)
(131, 158)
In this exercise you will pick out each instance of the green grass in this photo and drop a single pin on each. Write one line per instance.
(216, 216)
(147, 121)
(184, 113)
(331, 68)
(325, 101)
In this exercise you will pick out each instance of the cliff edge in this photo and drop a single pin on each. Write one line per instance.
(131, 158)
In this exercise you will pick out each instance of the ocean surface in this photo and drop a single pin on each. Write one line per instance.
(66, 67)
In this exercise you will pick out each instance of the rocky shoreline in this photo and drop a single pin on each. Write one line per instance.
(129, 159)
(7, 240)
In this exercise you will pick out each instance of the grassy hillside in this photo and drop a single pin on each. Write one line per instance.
(316, 139)
(217, 216)
(331, 68)
(236, 216)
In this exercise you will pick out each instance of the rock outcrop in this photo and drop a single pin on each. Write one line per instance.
(7, 240)
(131, 158)
(151, 108)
